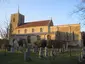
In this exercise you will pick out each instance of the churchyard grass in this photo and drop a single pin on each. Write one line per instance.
(18, 58)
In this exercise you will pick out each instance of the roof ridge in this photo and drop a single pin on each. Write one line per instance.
(38, 21)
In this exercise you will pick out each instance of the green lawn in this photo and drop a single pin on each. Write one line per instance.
(18, 58)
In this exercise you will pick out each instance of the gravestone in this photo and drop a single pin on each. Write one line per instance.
(27, 54)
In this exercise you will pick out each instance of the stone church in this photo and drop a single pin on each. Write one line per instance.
(68, 33)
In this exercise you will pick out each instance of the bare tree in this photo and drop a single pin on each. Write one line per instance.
(5, 31)
(80, 10)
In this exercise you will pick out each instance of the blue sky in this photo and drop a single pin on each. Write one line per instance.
(59, 10)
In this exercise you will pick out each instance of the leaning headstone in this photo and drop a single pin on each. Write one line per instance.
(25, 56)
(45, 52)
(40, 52)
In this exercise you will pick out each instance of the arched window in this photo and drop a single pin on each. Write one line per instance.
(38, 37)
(48, 37)
(28, 39)
(41, 30)
(73, 36)
(32, 30)
(25, 31)
(18, 31)
(67, 36)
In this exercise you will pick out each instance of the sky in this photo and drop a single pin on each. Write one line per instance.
(59, 10)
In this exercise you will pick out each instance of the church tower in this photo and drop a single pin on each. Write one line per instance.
(17, 19)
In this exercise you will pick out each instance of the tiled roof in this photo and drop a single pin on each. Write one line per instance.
(35, 23)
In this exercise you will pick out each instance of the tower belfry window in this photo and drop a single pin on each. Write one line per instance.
(13, 19)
